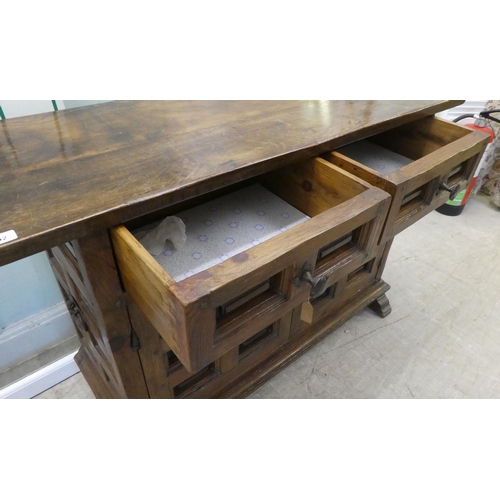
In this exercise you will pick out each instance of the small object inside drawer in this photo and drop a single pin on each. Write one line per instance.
(224, 227)
(375, 157)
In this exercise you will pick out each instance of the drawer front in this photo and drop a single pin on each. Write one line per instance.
(440, 157)
(214, 311)
(339, 289)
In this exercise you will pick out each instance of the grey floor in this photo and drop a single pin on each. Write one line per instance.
(442, 339)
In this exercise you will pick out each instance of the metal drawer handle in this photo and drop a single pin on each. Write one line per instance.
(318, 286)
(453, 191)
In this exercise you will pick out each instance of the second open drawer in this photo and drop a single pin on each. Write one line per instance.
(418, 164)
(216, 310)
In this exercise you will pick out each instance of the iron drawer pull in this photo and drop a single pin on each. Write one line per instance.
(453, 191)
(318, 286)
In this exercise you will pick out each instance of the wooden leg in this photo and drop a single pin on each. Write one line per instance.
(381, 306)
(89, 280)
(102, 283)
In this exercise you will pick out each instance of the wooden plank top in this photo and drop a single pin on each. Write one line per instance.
(68, 173)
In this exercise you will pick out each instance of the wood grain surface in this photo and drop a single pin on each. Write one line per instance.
(67, 174)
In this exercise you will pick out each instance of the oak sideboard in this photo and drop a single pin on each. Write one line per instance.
(80, 183)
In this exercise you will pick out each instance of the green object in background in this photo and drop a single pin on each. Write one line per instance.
(2, 116)
(54, 103)
(457, 201)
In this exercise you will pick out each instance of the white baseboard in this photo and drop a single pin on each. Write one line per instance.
(43, 379)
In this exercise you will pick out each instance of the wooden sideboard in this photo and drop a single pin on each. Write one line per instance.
(77, 183)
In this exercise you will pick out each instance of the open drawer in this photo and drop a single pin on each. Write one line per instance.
(203, 316)
(421, 164)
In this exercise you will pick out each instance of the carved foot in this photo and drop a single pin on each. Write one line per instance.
(381, 306)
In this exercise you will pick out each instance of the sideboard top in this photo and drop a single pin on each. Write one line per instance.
(68, 173)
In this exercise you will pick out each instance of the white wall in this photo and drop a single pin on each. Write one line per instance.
(14, 109)
(77, 104)
(463, 109)
(28, 286)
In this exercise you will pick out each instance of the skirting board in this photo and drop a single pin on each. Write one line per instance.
(41, 380)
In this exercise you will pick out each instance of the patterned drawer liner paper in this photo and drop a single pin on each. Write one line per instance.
(224, 227)
(376, 157)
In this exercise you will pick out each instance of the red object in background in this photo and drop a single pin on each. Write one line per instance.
(482, 129)
(492, 137)
(450, 208)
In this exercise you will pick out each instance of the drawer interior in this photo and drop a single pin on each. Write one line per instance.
(309, 188)
(221, 229)
(379, 158)
(394, 149)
